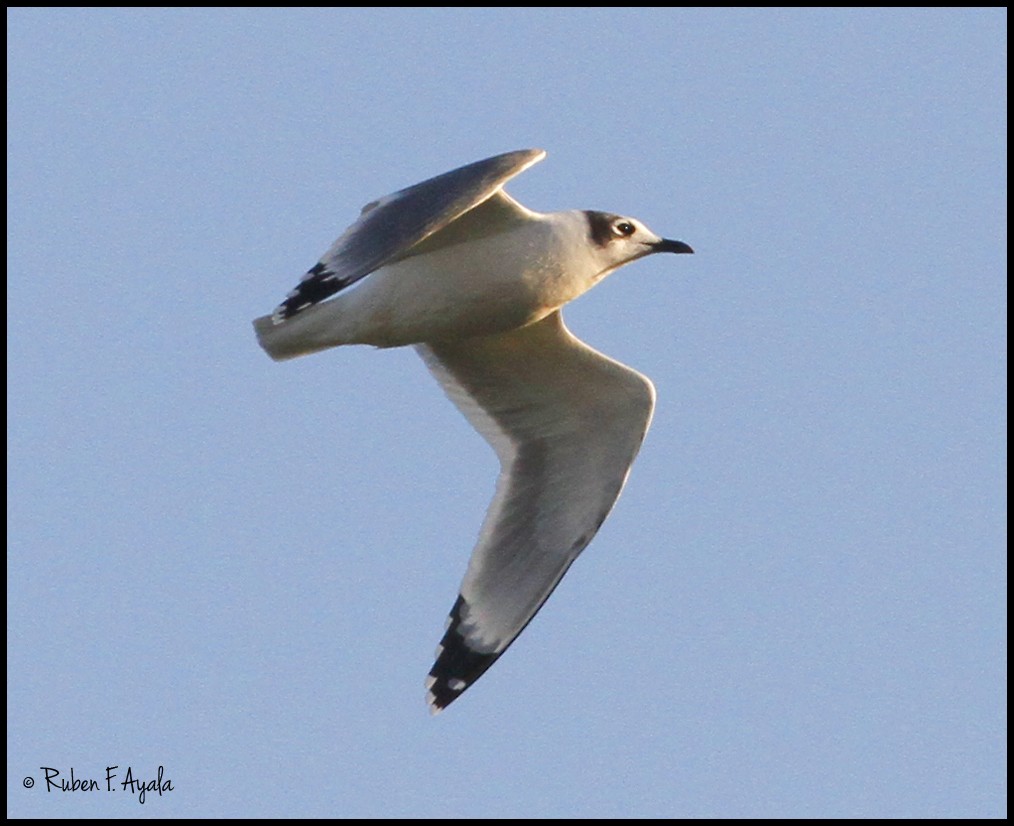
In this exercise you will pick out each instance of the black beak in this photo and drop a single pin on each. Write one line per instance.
(665, 245)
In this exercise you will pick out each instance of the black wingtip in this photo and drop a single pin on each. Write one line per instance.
(457, 665)
(318, 284)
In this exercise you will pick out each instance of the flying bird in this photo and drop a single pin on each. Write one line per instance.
(475, 281)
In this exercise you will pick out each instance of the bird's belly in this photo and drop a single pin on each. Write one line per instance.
(438, 297)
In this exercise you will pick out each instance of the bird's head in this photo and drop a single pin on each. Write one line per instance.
(618, 240)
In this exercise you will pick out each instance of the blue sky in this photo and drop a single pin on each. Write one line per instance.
(239, 570)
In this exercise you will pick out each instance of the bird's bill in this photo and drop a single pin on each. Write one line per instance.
(667, 245)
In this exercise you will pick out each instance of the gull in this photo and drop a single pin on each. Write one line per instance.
(475, 281)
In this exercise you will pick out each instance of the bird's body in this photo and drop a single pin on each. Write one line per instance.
(475, 281)
(453, 285)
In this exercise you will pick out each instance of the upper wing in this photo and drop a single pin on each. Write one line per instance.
(566, 423)
(390, 226)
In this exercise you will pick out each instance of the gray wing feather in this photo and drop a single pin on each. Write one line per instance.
(390, 226)
(566, 423)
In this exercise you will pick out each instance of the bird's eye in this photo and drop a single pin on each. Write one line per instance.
(624, 228)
